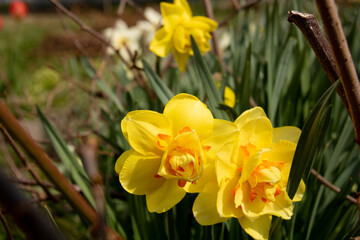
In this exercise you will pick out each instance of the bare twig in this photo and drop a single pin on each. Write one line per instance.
(29, 220)
(6, 226)
(331, 186)
(45, 163)
(210, 14)
(31, 182)
(344, 62)
(25, 161)
(310, 27)
(248, 4)
(89, 156)
(88, 29)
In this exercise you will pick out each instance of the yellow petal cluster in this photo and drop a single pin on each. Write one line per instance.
(174, 36)
(172, 153)
(252, 175)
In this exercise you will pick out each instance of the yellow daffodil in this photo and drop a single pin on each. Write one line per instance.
(179, 24)
(172, 153)
(252, 175)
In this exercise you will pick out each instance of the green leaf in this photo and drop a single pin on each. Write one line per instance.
(159, 87)
(207, 82)
(103, 86)
(308, 142)
(109, 92)
(69, 158)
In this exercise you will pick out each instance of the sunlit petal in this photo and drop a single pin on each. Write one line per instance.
(142, 127)
(165, 197)
(259, 228)
(137, 174)
(204, 208)
(185, 110)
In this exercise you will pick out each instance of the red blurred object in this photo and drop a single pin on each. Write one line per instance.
(18, 9)
(1, 22)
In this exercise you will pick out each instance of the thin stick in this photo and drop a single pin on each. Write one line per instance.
(214, 39)
(46, 164)
(88, 29)
(25, 161)
(6, 226)
(310, 28)
(331, 186)
(89, 156)
(344, 62)
(248, 4)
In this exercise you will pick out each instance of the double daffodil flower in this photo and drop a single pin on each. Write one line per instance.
(172, 153)
(174, 36)
(252, 175)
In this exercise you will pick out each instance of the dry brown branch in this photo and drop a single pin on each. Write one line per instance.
(88, 29)
(248, 4)
(210, 14)
(45, 163)
(6, 226)
(88, 153)
(310, 28)
(331, 186)
(344, 62)
(24, 161)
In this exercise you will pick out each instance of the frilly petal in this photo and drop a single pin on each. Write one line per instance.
(161, 43)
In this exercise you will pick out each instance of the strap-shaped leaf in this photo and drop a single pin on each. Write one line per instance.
(208, 83)
(161, 90)
(309, 141)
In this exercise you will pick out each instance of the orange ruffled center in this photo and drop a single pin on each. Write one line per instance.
(263, 179)
(183, 156)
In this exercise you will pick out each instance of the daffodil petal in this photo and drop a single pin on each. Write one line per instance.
(258, 132)
(141, 129)
(204, 23)
(181, 59)
(121, 160)
(137, 174)
(300, 192)
(249, 115)
(204, 208)
(226, 167)
(161, 43)
(185, 5)
(281, 207)
(208, 175)
(165, 197)
(291, 134)
(185, 110)
(172, 15)
(225, 199)
(259, 228)
(223, 133)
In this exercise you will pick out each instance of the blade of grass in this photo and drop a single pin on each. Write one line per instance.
(207, 82)
(307, 145)
(159, 87)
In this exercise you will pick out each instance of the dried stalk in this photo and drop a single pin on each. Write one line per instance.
(344, 62)
(331, 186)
(45, 163)
(237, 9)
(310, 28)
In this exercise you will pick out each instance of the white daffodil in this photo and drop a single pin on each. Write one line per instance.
(123, 38)
(149, 26)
